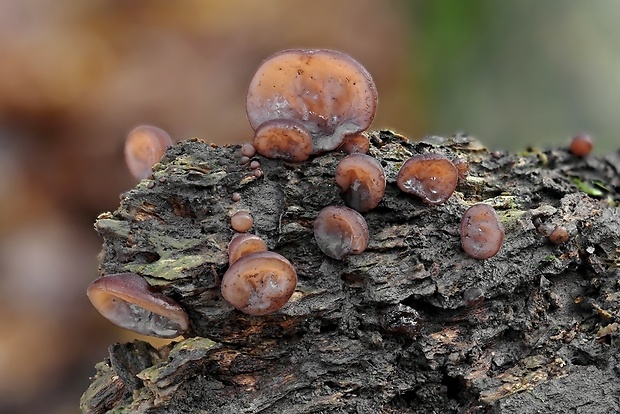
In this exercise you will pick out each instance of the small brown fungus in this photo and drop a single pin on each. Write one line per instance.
(283, 139)
(340, 231)
(243, 244)
(473, 296)
(462, 167)
(259, 283)
(482, 234)
(356, 143)
(235, 197)
(241, 221)
(127, 300)
(254, 164)
(581, 145)
(144, 147)
(248, 150)
(362, 181)
(432, 177)
(558, 235)
(328, 92)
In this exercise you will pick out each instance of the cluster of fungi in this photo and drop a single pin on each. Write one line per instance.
(300, 104)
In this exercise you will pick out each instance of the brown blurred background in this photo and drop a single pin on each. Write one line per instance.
(75, 77)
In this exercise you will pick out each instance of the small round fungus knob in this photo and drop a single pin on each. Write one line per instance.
(245, 243)
(558, 235)
(356, 143)
(581, 145)
(259, 283)
(144, 147)
(241, 221)
(432, 177)
(248, 150)
(328, 92)
(362, 181)
(283, 139)
(340, 231)
(127, 300)
(482, 234)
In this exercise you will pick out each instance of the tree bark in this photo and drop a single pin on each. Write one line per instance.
(387, 331)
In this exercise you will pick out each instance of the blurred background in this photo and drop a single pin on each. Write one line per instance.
(75, 77)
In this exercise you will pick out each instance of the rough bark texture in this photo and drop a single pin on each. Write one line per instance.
(387, 331)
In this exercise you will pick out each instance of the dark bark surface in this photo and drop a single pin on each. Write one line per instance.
(387, 331)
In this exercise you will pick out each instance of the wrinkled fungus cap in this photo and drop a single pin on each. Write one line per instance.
(432, 177)
(259, 283)
(283, 139)
(328, 92)
(340, 231)
(245, 243)
(482, 234)
(144, 147)
(362, 181)
(127, 300)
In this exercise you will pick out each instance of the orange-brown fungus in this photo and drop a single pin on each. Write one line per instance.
(558, 235)
(432, 177)
(482, 234)
(362, 181)
(581, 145)
(283, 139)
(144, 147)
(242, 244)
(259, 283)
(241, 221)
(328, 92)
(340, 231)
(356, 143)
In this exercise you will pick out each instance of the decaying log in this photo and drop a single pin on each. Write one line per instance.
(387, 331)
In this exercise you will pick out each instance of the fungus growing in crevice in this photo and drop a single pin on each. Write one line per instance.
(241, 221)
(362, 181)
(243, 244)
(328, 92)
(356, 143)
(558, 235)
(340, 231)
(482, 234)
(581, 145)
(259, 283)
(473, 296)
(432, 177)
(127, 300)
(144, 147)
(462, 167)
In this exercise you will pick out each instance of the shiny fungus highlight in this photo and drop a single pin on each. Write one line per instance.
(362, 180)
(259, 283)
(432, 177)
(283, 139)
(328, 92)
(127, 300)
(482, 234)
(144, 147)
(241, 221)
(340, 231)
(243, 244)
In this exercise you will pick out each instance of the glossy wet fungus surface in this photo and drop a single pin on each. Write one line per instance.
(243, 244)
(356, 143)
(431, 177)
(362, 180)
(127, 300)
(283, 139)
(482, 234)
(144, 147)
(241, 221)
(340, 231)
(259, 283)
(559, 235)
(581, 145)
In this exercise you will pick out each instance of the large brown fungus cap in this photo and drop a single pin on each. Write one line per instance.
(432, 177)
(328, 92)
(362, 181)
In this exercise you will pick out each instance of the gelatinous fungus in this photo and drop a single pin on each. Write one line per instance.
(581, 145)
(328, 92)
(283, 139)
(259, 283)
(482, 234)
(362, 181)
(243, 244)
(432, 177)
(127, 300)
(144, 147)
(462, 167)
(558, 235)
(340, 231)
(356, 143)
(248, 150)
(241, 221)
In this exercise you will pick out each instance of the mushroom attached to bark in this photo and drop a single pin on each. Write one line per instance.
(328, 92)
(259, 283)
(482, 234)
(356, 143)
(241, 221)
(127, 300)
(283, 139)
(243, 244)
(144, 147)
(340, 231)
(362, 181)
(581, 145)
(432, 177)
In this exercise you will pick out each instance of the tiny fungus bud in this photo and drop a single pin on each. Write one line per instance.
(581, 145)
(127, 300)
(235, 197)
(482, 234)
(356, 143)
(243, 244)
(254, 164)
(248, 150)
(362, 181)
(432, 177)
(259, 283)
(340, 231)
(144, 147)
(241, 221)
(328, 92)
(462, 167)
(244, 160)
(558, 235)
(473, 296)
(283, 139)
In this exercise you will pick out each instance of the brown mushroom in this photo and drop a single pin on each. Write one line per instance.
(127, 300)
(356, 143)
(328, 92)
(482, 234)
(362, 181)
(259, 283)
(243, 244)
(144, 147)
(340, 231)
(581, 145)
(241, 221)
(283, 139)
(432, 177)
